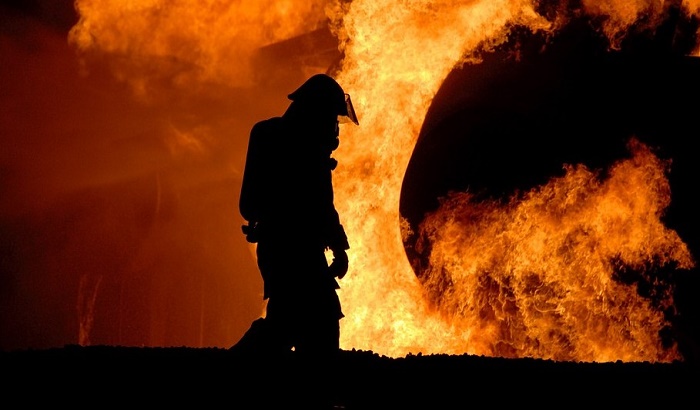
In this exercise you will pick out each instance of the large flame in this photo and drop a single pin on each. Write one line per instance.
(508, 295)
(537, 277)
(407, 51)
(534, 277)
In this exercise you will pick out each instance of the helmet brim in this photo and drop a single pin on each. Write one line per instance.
(348, 113)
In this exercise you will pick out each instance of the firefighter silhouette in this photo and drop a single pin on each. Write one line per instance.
(287, 200)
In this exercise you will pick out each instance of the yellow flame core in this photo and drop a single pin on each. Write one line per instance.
(396, 58)
(531, 279)
(535, 277)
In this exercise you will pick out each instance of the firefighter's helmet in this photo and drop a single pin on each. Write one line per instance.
(323, 91)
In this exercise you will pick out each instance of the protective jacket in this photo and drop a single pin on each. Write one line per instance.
(287, 196)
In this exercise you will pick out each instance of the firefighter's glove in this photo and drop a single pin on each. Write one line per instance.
(251, 231)
(339, 266)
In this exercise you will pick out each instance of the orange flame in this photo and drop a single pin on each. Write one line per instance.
(536, 277)
(192, 42)
(531, 278)
(621, 15)
(396, 57)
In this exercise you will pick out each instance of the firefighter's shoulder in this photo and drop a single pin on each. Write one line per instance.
(270, 126)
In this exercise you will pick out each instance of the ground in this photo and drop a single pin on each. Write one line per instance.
(100, 376)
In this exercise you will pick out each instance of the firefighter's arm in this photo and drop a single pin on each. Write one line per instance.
(253, 184)
(252, 187)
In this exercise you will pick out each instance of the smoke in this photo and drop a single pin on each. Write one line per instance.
(124, 127)
(123, 146)
(187, 44)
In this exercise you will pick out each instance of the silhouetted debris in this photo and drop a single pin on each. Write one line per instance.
(99, 375)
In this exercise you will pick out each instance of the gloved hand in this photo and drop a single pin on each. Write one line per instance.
(251, 232)
(339, 266)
